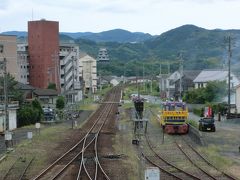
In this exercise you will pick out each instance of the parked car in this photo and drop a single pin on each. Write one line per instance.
(207, 124)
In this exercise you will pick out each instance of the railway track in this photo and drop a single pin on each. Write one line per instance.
(166, 166)
(82, 161)
(180, 150)
(18, 169)
(200, 162)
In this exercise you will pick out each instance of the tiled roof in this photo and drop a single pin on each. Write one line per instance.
(45, 92)
(22, 86)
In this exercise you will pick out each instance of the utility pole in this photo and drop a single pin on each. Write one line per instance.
(229, 73)
(151, 88)
(73, 79)
(160, 79)
(168, 68)
(4, 68)
(6, 95)
(168, 88)
(100, 81)
(143, 78)
(181, 74)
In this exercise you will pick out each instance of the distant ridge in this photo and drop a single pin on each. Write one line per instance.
(201, 48)
(115, 35)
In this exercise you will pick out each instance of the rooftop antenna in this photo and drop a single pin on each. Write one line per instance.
(32, 14)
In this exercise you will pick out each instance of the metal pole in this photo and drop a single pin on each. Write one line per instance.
(160, 79)
(229, 74)
(181, 74)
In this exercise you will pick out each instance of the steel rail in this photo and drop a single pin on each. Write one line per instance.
(66, 153)
(189, 158)
(70, 162)
(166, 171)
(167, 162)
(97, 163)
(208, 162)
(25, 169)
(5, 176)
(82, 164)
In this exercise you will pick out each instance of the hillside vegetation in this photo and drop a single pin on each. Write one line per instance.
(131, 53)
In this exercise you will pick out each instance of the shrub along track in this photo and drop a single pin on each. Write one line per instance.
(82, 160)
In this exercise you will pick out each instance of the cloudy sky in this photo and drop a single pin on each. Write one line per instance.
(150, 16)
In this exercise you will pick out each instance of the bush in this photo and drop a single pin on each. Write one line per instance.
(60, 104)
(198, 112)
(214, 91)
(27, 115)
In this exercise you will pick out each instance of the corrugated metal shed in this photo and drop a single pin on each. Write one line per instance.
(211, 75)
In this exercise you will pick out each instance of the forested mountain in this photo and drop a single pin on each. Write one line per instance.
(115, 35)
(200, 49)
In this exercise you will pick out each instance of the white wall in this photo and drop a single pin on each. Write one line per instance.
(12, 120)
(238, 99)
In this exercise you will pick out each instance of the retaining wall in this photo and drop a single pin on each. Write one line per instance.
(196, 135)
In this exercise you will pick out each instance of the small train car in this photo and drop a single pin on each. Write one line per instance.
(173, 117)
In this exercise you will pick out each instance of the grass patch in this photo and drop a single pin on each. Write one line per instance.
(89, 107)
(128, 105)
(193, 123)
(41, 147)
(123, 145)
(213, 152)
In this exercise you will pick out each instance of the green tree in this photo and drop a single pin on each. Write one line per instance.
(52, 86)
(60, 104)
(27, 115)
(37, 106)
(214, 91)
(14, 94)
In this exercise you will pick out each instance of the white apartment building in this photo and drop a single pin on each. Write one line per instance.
(69, 72)
(88, 72)
(23, 63)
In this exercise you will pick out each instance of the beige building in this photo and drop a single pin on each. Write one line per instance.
(9, 44)
(88, 72)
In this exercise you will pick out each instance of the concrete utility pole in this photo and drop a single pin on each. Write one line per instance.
(151, 87)
(229, 73)
(6, 94)
(143, 78)
(160, 78)
(4, 68)
(73, 79)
